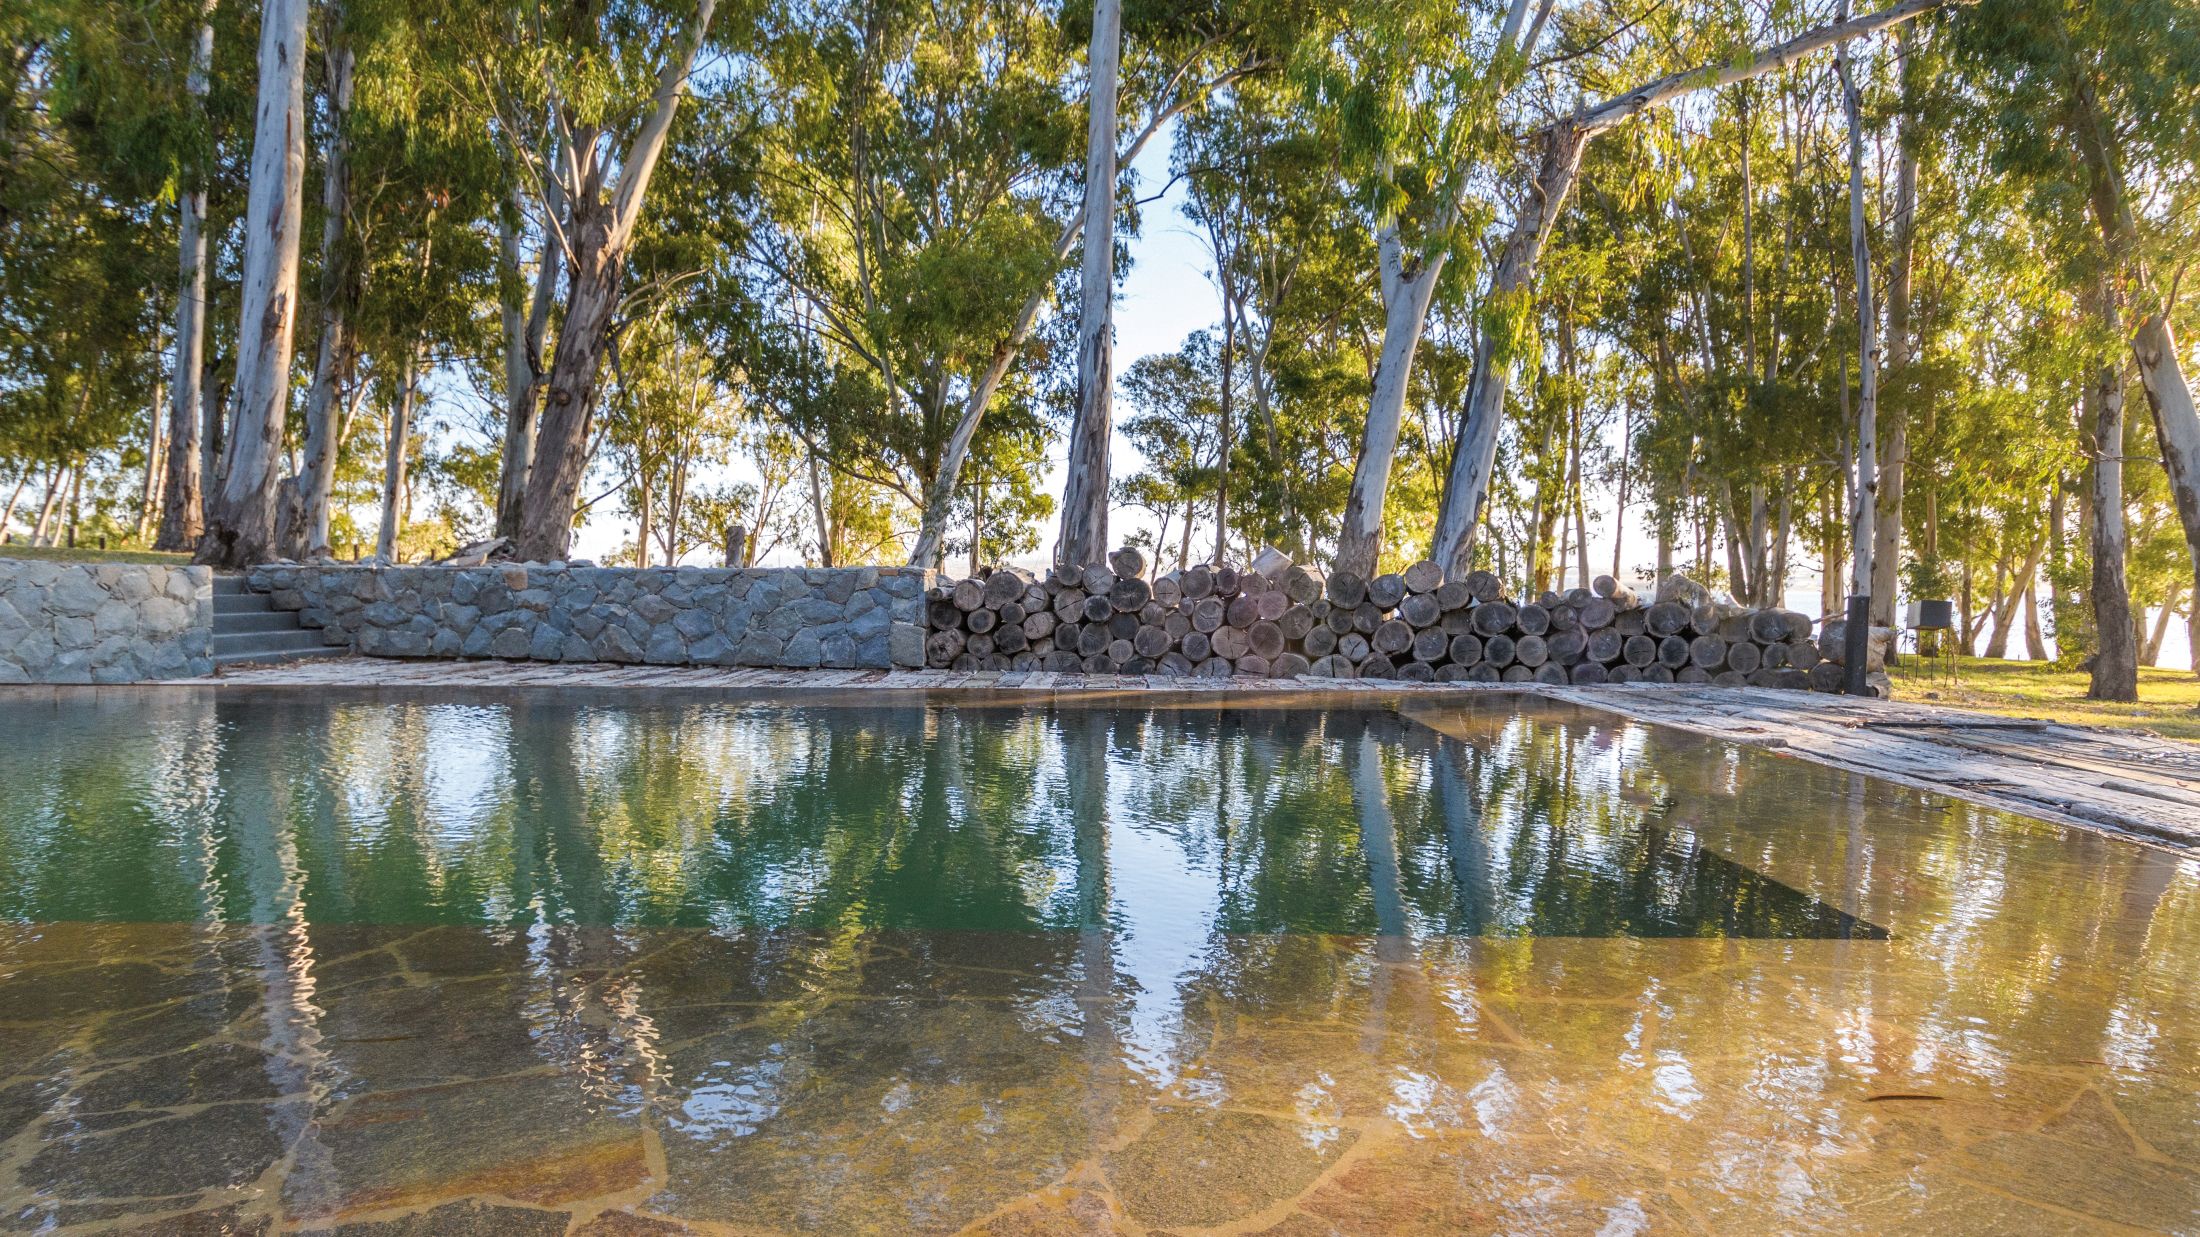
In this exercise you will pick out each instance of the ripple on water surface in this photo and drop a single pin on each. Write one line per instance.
(550, 961)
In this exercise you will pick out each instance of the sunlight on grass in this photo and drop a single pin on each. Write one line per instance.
(86, 554)
(2168, 705)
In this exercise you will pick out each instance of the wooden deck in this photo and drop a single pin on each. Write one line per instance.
(2118, 781)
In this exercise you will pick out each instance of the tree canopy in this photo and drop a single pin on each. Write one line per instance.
(1503, 283)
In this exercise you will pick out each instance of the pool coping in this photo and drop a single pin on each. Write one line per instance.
(2137, 786)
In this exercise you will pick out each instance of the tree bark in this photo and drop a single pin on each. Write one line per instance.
(1474, 447)
(1865, 498)
(1619, 508)
(2035, 640)
(241, 522)
(2151, 655)
(523, 336)
(1894, 449)
(149, 496)
(2116, 655)
(1223, 428)
(307, 534)
(182, 507)
(2001, 611)
(1405, 316)
(76, 501)
(1084, 535)
(7, 513)
(46, 505)
(600, 233)
(397, 443)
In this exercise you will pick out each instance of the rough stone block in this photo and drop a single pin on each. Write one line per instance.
(615, 645)
(906, 646)
(665, 648)
(548, 644)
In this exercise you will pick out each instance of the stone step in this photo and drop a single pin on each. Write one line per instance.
(269, 657)
(233, 622)
(240, 603)
(266, 641)
(228, 582)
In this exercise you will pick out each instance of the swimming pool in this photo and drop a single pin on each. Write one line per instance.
(534, 960)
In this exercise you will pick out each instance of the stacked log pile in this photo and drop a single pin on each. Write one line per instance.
(1276, 618)
(1110, 618)
(1417, 626)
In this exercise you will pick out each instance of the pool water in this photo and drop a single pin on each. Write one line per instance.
(619, 963)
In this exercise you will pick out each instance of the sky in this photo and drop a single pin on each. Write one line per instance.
(1166, 294)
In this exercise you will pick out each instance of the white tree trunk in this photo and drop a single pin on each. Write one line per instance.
(1405, 317)
(940, 492)
(182, 507)
(2177, 432)
(241, 525)
(1474, 448)
(7, 513)
(155, 439)
(1084, 536)
(1894, 449)
(1864, 497)
(332, 366)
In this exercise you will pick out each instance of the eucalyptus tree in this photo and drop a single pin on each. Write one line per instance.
(585, 98)
(405, 267)
(305, 520)
(240, 520)
(919, 202)
(666, 417)
(85, 157)
(1261, 175)
(1557, 162)
(182, 504)
(2096, 111)
(1177, 428)
(1084, 534)
(1910, 70)
(998, 503)
(913, 163)
(1418, 98)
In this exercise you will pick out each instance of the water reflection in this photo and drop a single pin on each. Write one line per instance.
(906, 969)
(554, 811)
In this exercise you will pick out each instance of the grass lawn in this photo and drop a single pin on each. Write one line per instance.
(86, 554)
(2169, 700)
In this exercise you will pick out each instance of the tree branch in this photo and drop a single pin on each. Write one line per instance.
(1619, 109)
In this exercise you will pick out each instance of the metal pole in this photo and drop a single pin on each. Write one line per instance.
(1856, 640)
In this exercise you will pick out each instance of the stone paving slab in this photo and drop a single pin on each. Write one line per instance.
(2137, 785)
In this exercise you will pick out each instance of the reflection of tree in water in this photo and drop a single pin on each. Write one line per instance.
(103, 804)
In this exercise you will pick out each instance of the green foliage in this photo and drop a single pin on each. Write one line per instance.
(860, 198)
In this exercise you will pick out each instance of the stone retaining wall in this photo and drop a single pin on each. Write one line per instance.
(796, 618)
(104, 622)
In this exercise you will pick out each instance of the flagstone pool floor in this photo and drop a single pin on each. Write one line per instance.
(485, 954)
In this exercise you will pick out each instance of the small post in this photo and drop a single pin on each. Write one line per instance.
(1856, 638)
(737, 545)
